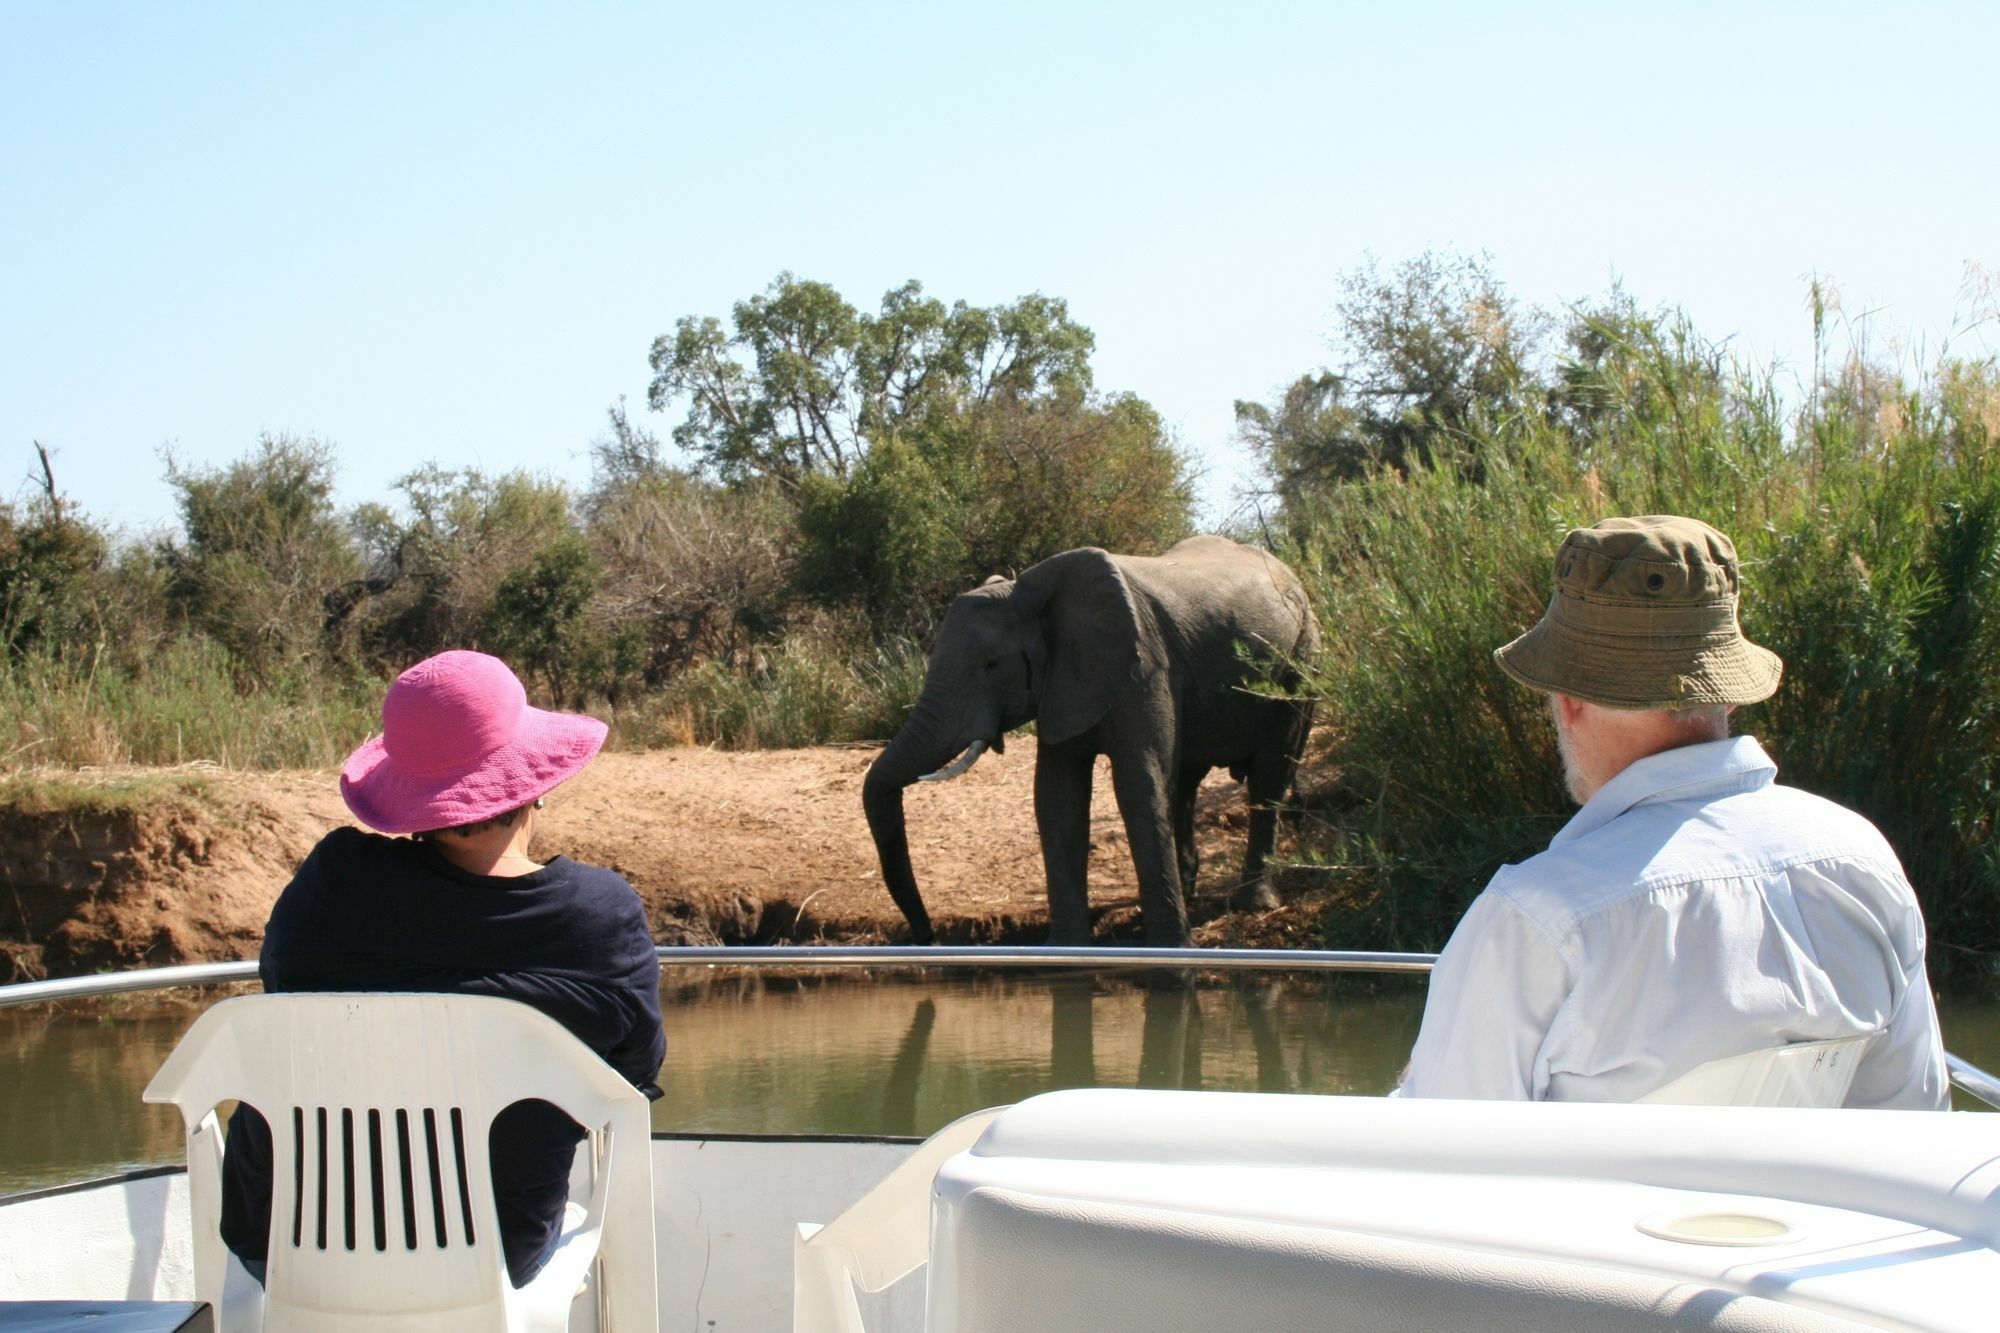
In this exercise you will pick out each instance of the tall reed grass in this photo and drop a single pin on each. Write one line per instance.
(807, 690)
(1869, 525)
(180, 703)
(184, 704)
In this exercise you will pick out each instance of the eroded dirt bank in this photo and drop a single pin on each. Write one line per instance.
(759, 847)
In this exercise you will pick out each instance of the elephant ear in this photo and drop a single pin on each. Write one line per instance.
(1091, 628)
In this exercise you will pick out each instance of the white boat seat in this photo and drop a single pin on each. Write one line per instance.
(883, 1237)
(1803, 1073)
(1141, 1211)
(1024, 1260)
(382, 1212)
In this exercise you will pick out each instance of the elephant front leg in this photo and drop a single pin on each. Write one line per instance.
(1062, 816)
(1145, 802)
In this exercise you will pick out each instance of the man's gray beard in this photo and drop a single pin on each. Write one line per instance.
(1567, 749)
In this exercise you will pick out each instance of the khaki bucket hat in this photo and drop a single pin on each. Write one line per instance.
(1644, 616)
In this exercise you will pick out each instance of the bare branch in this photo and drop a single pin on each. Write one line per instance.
(49, 481)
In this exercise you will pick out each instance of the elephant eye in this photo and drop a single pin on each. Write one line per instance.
(993, 664)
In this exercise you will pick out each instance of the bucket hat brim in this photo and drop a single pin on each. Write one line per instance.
(1639, 671)
(547, 750)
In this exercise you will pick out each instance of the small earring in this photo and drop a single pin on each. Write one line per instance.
(539, 803)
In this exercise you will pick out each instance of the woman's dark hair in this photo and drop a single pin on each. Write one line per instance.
(505, 819)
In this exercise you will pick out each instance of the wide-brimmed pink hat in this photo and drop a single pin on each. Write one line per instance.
(460, 744)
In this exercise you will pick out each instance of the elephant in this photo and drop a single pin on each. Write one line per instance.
(1152, 660)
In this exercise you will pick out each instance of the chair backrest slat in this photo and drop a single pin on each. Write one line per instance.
(406, 1179)
(347, 1174)
(298, 1175)
(320, 1180)
(464, 1181)
(434, 1159)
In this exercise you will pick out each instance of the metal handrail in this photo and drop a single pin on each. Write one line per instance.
(1967, 1077)
(1009, 955)
(1975, 1082)
(118, 983)
(922, 955)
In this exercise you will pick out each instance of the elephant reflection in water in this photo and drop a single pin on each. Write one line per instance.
(1260, 1007)
(899, 1096)
(1170, 1041)
(1170, 1038)
(1072, 1039)
(1170, 1034)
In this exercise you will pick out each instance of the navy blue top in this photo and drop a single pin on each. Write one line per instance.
(369, 913)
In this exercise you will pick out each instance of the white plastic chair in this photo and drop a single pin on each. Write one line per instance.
(382, 1211)
(881, 1239)
(1804, 1073)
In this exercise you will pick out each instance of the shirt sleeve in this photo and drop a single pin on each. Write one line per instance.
(1494, 994)
(1904, 1070)
(639, 1053)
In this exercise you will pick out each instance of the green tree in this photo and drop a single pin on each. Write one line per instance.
(1048, 477)
(988, 490)
(1431, 353)
(802, 383)
(1429, 345)
(924, 445)
(1312, 439)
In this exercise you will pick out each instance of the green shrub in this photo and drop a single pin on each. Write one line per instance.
(261, 546)
(540, 621)
(52, 584)
(990, 490)
(1869, 526)
(891, 537)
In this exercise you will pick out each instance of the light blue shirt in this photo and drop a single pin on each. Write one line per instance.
(1692, 910)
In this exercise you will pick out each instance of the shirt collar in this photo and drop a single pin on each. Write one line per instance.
(1712, 768)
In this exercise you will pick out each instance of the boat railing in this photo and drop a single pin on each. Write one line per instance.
(1973, 1081)
(1965, 1076)
(807, 956)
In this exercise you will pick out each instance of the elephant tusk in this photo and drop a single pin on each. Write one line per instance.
(965, 761)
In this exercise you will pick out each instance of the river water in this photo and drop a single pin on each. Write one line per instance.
(894, 1051)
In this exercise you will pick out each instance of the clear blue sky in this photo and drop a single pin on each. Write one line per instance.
(451, 231)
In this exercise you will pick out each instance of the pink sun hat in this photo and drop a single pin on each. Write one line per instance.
(461, 744)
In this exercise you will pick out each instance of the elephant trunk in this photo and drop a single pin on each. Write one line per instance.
(916, 751)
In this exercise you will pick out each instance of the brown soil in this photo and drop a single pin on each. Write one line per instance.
(754, 847)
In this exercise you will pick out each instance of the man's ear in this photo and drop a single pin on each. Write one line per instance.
(1568, 710)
